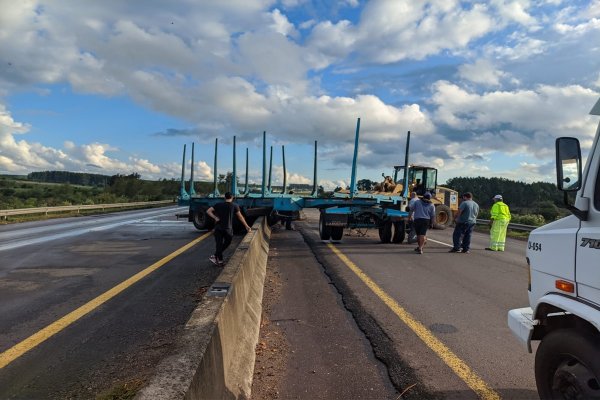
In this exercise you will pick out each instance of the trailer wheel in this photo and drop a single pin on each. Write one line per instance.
(443, 216)
(399, 232)
(385, 232)
(201, 220)
(337, 232)
(324, 231)
(567, 365)
(272, 219)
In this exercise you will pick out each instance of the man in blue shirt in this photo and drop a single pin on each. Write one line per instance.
(422, 213)
(464, 222)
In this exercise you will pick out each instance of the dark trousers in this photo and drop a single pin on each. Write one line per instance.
(223, 240)
(463, 229)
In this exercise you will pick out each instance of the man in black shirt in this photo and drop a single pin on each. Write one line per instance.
(223, 214)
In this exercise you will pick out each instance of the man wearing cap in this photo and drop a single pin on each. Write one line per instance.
(465, 220)
(500, 217)
(422, 213)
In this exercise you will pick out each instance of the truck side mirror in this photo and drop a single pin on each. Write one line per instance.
(568, 164)
(568, 172)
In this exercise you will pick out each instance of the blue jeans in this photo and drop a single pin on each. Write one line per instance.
(463, 229)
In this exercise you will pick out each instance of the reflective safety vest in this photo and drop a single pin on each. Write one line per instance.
(500, 211)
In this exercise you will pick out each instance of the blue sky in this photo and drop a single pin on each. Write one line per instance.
(115, 87)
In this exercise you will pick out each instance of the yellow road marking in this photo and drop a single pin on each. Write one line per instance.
(32, 341)
(460, 368)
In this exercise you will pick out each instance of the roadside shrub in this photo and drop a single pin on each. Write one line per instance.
(528, 219)
(548, 210)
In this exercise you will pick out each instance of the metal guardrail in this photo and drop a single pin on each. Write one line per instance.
(514, 227)
(45, 210)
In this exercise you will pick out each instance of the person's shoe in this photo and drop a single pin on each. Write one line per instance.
(453, 251)
(464, 251)
(221, 263)
(418, 250)
(489, 249)
(213, 259)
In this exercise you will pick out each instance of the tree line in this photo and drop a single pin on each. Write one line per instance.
(57, 188)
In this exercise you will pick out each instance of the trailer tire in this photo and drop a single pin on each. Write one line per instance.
(324, 231)
(337, 232)
(443, 216)
(272, 219)
(567, 365)
(385, 232)
(202, 221)
(399, 232)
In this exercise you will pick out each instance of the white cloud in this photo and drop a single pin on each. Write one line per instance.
(520, 121)
(282, 25)
(242, 66)
(482, 72)
(329, 185)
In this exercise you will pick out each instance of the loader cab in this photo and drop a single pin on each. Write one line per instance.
(420, 179)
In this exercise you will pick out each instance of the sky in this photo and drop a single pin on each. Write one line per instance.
(117, 87)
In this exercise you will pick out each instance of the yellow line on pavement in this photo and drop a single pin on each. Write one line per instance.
(32, 341)
(460, 368)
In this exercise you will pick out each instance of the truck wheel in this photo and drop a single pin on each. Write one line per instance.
(324, 231)
(399, 232)
(443, 216)
(385, 232)
(201, 220)
(272, 219)
(337, 232)
(567, 365)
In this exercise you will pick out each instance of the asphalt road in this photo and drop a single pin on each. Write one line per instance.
(437, 320)
(49, 269)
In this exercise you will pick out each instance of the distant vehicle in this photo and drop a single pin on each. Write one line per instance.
(563, 260)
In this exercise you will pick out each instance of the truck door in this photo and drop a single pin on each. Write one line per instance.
(588, 238)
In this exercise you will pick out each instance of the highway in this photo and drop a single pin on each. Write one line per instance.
(92, 303)
(76, 321)
(440, 318)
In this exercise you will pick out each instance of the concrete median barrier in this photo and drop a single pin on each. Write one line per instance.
(214, 357)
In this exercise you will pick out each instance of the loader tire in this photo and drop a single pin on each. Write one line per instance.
(443, 216)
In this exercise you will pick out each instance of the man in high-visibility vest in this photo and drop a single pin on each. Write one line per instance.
(500, 217)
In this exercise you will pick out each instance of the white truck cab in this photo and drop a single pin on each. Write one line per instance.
(564, 283)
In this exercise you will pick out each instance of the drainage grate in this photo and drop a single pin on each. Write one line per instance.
(219, 289)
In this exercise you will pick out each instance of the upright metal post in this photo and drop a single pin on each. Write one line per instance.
(234, 189)
(182, 193)
(263, 188)
(246, 184)
(284, 171)
(315, 191)
(354, 160)
(215, 188)
(405, 177)
(192, 189)
(270, 170)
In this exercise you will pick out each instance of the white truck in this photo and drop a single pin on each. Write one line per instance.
(563, 260)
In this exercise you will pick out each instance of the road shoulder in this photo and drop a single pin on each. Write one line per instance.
(310, 345)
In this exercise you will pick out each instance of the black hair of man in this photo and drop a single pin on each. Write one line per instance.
(228, 196)
(468, 195)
